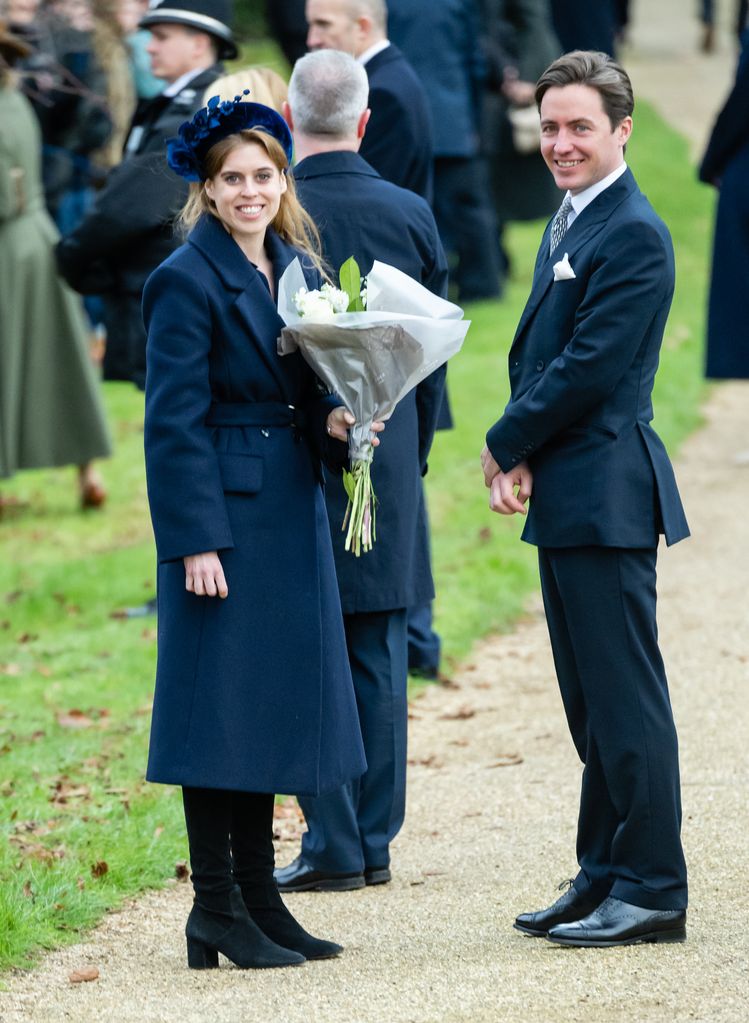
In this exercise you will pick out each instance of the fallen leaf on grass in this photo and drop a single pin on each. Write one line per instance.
(74, 719)
(99, 869)
(84, 975)
(507, 760)
(28, 891)
(13, 670)
(158, 831)
(36, 851)
(63, 790)
(181, 870)
(461, 714)
(27, 637)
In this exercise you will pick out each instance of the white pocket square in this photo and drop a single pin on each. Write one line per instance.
(563, 271)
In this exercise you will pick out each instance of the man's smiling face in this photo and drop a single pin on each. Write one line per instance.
(577, 140)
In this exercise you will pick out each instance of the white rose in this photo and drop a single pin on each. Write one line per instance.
(316, 309)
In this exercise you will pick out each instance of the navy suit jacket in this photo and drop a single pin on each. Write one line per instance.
(359, 214)
(582, 367)
(399, 141)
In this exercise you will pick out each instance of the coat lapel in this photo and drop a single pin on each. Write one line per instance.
(254, 302)
(582, 230)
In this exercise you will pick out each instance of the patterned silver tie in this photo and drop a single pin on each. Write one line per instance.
(559, 224)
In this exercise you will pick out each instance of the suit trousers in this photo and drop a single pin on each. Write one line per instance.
(350, 829)
(600, 607)
(467, 224)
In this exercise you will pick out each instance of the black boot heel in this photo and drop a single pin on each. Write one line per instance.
(200, 956)
(235, 935)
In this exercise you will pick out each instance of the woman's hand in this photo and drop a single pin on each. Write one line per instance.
(204, 575)
(339, 421)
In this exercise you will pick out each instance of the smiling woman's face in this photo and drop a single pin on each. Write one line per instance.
(247, 191)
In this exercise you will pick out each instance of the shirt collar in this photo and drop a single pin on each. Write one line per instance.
(365, 57)
(586, 197)
(174, 87)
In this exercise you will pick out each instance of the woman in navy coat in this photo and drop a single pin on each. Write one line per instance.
(253, 688)
(726, 165)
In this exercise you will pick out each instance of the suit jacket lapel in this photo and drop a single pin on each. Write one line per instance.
(582, 230)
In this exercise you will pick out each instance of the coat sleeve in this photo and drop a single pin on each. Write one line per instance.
(188, 508)
(630, 281)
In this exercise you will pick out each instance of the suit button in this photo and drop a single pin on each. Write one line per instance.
(539, 365)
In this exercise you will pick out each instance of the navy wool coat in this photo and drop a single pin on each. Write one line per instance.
(582, 367)
(359, 214)
(726, 165)
(253, 693)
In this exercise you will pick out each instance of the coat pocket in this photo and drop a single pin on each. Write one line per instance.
(240, 474)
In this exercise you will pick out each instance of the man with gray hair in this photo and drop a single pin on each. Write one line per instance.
(360, 214)
(398, 143)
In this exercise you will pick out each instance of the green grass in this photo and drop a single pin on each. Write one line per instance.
(73, 798)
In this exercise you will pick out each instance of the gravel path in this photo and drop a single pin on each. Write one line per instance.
(493, 789)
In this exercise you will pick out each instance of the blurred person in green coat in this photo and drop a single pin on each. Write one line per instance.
(50, 410)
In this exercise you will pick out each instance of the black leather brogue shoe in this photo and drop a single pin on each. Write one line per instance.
(573, 905)
(618, 923)
(301, 877)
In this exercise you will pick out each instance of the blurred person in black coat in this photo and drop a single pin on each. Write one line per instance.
(129, 229)
(587, 24)
(399, 140)
(360, 214)
(726, 166)
(288, 26)
(441, 40)
(519, 43)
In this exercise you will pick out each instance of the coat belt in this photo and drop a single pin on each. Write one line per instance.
(255, 413)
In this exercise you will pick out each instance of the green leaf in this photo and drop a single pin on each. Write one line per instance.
(349, 277)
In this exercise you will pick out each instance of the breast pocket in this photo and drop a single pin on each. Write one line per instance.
(240, 474)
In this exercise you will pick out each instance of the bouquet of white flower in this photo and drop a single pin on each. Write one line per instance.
(371, 350)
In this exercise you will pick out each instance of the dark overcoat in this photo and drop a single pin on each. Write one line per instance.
(129, 229)
(254, 692)
(361, 215)
(399, 138)
(726, 165)
(582, 367)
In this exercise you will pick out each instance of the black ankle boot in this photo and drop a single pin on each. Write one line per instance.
(268, 911)
(234, 935)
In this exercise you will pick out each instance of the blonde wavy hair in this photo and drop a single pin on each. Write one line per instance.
(292, 223)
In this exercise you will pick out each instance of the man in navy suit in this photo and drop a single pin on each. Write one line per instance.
(358, 213)
(576, 439)
(398, 143)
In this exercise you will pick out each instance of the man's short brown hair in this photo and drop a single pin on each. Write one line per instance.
(597, 70)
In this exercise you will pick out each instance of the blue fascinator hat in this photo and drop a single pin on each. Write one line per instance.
(186, 153)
